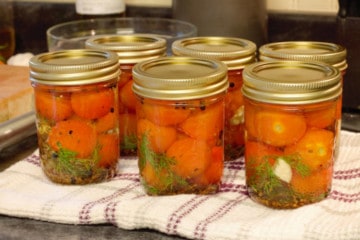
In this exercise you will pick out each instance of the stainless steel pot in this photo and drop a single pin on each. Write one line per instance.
(234, 18)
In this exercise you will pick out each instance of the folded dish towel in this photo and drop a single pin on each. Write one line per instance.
(229, 214)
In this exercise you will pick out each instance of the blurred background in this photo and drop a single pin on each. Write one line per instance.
(261, 21)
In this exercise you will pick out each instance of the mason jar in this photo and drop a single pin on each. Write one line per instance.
(76, 105)
(180, 124)
(235, 53)
(326, 52)
(131, 49)
(290, 127)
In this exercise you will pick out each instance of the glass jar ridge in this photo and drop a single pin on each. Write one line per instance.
(73, 67)
(175, 78)
(131, 48)
(236, 53)
(330, 53)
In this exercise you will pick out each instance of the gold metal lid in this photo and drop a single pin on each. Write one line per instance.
(131, 48)
(236, 53)
(329, 53)
(291, 82)
(74, 67)
(179, 78)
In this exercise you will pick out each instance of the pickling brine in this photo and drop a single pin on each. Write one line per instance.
(180, 124)
(181, 145)
(76, 115)
(291, 128)
(289, 152)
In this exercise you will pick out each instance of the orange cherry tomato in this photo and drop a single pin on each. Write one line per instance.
(126, 75)
(165, 115)
(315, 148)
(108, 149)
(160, 137)
(321, 118)
(214, 171)
(127, 98)
(93, 104)
(279, 128)
(191, 157)
(53, 106)
(316, 184)
(74, 135)
(107, 122)
(206, 124)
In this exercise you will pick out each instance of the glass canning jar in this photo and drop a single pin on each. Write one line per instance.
(236, 53)
(180, 123)
(76, 104)
(291, 123)
(326, 52)
(131, 49)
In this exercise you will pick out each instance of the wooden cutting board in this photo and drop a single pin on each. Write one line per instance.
(16, 93)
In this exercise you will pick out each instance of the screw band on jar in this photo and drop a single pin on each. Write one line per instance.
(73, 67)
(329, 53)
(236, 53)
(291, 82)
(160, 78)
(131, 48)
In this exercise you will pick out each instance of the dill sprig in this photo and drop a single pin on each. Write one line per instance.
(70, 164)
(265, 180)
(161, 164)
(129, 142)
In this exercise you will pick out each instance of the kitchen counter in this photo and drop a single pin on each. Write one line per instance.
(17, 228)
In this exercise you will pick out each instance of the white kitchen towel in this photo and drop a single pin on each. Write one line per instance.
(229, 214)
